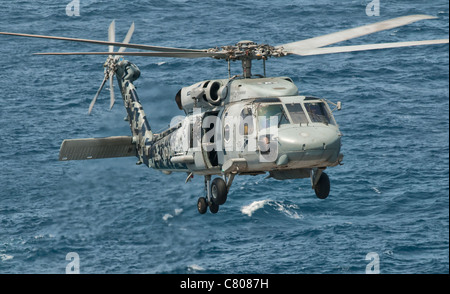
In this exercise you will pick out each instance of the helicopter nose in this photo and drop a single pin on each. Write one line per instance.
(306, 143)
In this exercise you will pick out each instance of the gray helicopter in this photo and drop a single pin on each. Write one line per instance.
(243, 125)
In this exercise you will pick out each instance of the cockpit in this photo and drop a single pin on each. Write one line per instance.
(309, 111)
(299, 127)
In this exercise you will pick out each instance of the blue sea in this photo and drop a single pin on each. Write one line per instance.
(389, 202)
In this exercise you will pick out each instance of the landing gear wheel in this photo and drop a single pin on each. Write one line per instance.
(219, 191)
(322, 188)
(214, 208)
(201, 205)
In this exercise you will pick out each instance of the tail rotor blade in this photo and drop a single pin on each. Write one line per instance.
(111, 91)
(127, 38)
(109, 72)
(112, 35)
(96, 95)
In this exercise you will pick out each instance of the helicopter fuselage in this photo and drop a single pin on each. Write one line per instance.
(237, 126)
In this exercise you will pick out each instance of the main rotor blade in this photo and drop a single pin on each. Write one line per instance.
(112, 35)
(136, 46)
(340, 49)
(148, 54)
(320, 41)
(127, 38)
(96, 95)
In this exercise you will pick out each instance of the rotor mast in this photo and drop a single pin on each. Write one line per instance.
(247, 47)
(247, 68)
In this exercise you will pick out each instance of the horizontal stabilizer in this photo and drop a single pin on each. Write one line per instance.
(94, 148)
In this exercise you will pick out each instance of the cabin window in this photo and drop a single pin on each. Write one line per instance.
(297, 114)
(318, 112)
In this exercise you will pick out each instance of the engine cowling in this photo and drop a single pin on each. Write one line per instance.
(212, 94)
(208, 94)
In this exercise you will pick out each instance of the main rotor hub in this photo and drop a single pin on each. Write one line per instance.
(245, 43)
(246, 51)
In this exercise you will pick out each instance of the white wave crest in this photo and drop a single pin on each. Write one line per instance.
(195, 267)
(168, 216)
(254, 206)
(287, 209)
(5, 257)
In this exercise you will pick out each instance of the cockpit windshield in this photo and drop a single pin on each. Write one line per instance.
(297, 114)
(293, 113)
(266, 111)
(318, 113)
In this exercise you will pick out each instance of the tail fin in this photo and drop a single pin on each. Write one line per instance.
(93, 148)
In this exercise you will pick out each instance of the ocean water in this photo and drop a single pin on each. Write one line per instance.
(390, 199)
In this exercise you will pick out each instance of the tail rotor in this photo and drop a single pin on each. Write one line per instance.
(110, 64)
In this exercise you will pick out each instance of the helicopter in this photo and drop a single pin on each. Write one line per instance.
(241, 125)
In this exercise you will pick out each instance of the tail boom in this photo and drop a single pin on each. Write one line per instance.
(142, 135)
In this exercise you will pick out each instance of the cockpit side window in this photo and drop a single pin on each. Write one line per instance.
(318, 113)
(266, 111)
(297, 114)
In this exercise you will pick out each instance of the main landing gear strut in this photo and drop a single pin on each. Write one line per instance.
(216, 193)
